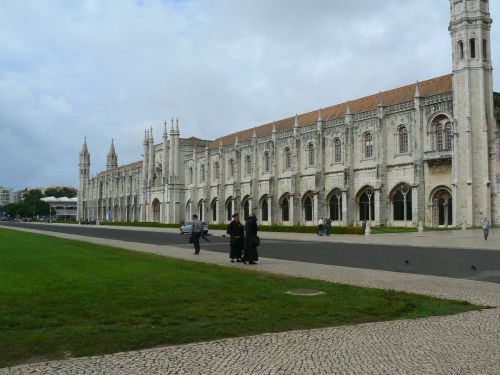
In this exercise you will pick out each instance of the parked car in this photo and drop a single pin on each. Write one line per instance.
(186, 228)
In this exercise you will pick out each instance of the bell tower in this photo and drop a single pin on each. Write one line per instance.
(84, 167)
(474, 123)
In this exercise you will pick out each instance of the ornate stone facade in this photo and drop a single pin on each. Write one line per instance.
(427, 152)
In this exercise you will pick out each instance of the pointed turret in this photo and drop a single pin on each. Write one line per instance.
(348, 110)
(165, 135)
(417, 90)
(84, 159)
(380, 99)
(320, 115)
(112, 158)
(177, 126)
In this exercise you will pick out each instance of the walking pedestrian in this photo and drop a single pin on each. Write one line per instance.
(196, 232)
(251, 240)
(236, 233)
(321, 227)
(328, 227)
(486, 227)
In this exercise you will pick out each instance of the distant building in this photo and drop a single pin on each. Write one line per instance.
(7, 196)
(62, 208)
(426, 152)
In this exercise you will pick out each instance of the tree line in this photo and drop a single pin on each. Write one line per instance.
(32, 206)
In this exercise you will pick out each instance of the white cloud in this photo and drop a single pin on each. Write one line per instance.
(109, 69)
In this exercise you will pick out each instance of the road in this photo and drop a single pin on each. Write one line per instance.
(472, 264)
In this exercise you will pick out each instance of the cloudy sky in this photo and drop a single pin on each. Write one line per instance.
(111, 68)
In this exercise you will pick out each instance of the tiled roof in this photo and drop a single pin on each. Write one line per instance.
(403, 94)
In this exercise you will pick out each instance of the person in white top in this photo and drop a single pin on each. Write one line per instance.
(486, 227)
(321, 227)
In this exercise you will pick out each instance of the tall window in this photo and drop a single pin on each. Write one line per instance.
(285, 210)
(444, 137)
(308, 209)
(248, 165)
(485, 49)
(439, 137)
(447, 136)
(246, 209)
(399, 203)
(190, 175)
(461, 50)
(310, 152)
(288, 158)
(229, 209)
(216, 170)
(338, 150)
(214, 211)
(202, 172)
(231, 168)
(336, 207)
(403, 140)
(267, 162)
(473, 48)
(368, 145)
(366, 207)
(265, 210)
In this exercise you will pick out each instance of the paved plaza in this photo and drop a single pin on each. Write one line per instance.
(467, 343)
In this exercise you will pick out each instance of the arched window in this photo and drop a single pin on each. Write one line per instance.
(447, 136)
(202, 173)
(308, 209)
(439, 137)
(310, 152)
(214, 210)
(366, 207)
(229, 209)
(190, 175)
(267, 162)
(285, 210)
(403, 140)
(368, 138)
(265, 210)
(231, 168)
(246, 209)
(473, 48)
(461, 50)
(485, 49)
(398, 203)
(338, 150)
(336, 207)
(288, 158)
(248, 165)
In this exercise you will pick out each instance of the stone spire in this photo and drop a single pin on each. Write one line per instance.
(165, 135)
(85, 150)
(254, 135)
(177, 126)
(112, 161)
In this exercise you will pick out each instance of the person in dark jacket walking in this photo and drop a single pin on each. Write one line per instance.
(196, 233)
(236, 238)
(251, 240)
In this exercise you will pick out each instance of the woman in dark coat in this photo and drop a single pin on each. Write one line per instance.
(251, 255)
(236, 238)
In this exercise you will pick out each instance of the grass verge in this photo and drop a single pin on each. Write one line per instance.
(61, 298)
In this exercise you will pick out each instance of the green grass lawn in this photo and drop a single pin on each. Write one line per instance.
(62, 298)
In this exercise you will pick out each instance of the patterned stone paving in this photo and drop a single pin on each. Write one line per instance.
(467, 343)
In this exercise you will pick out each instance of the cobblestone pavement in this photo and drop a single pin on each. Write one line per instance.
(462, 344)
